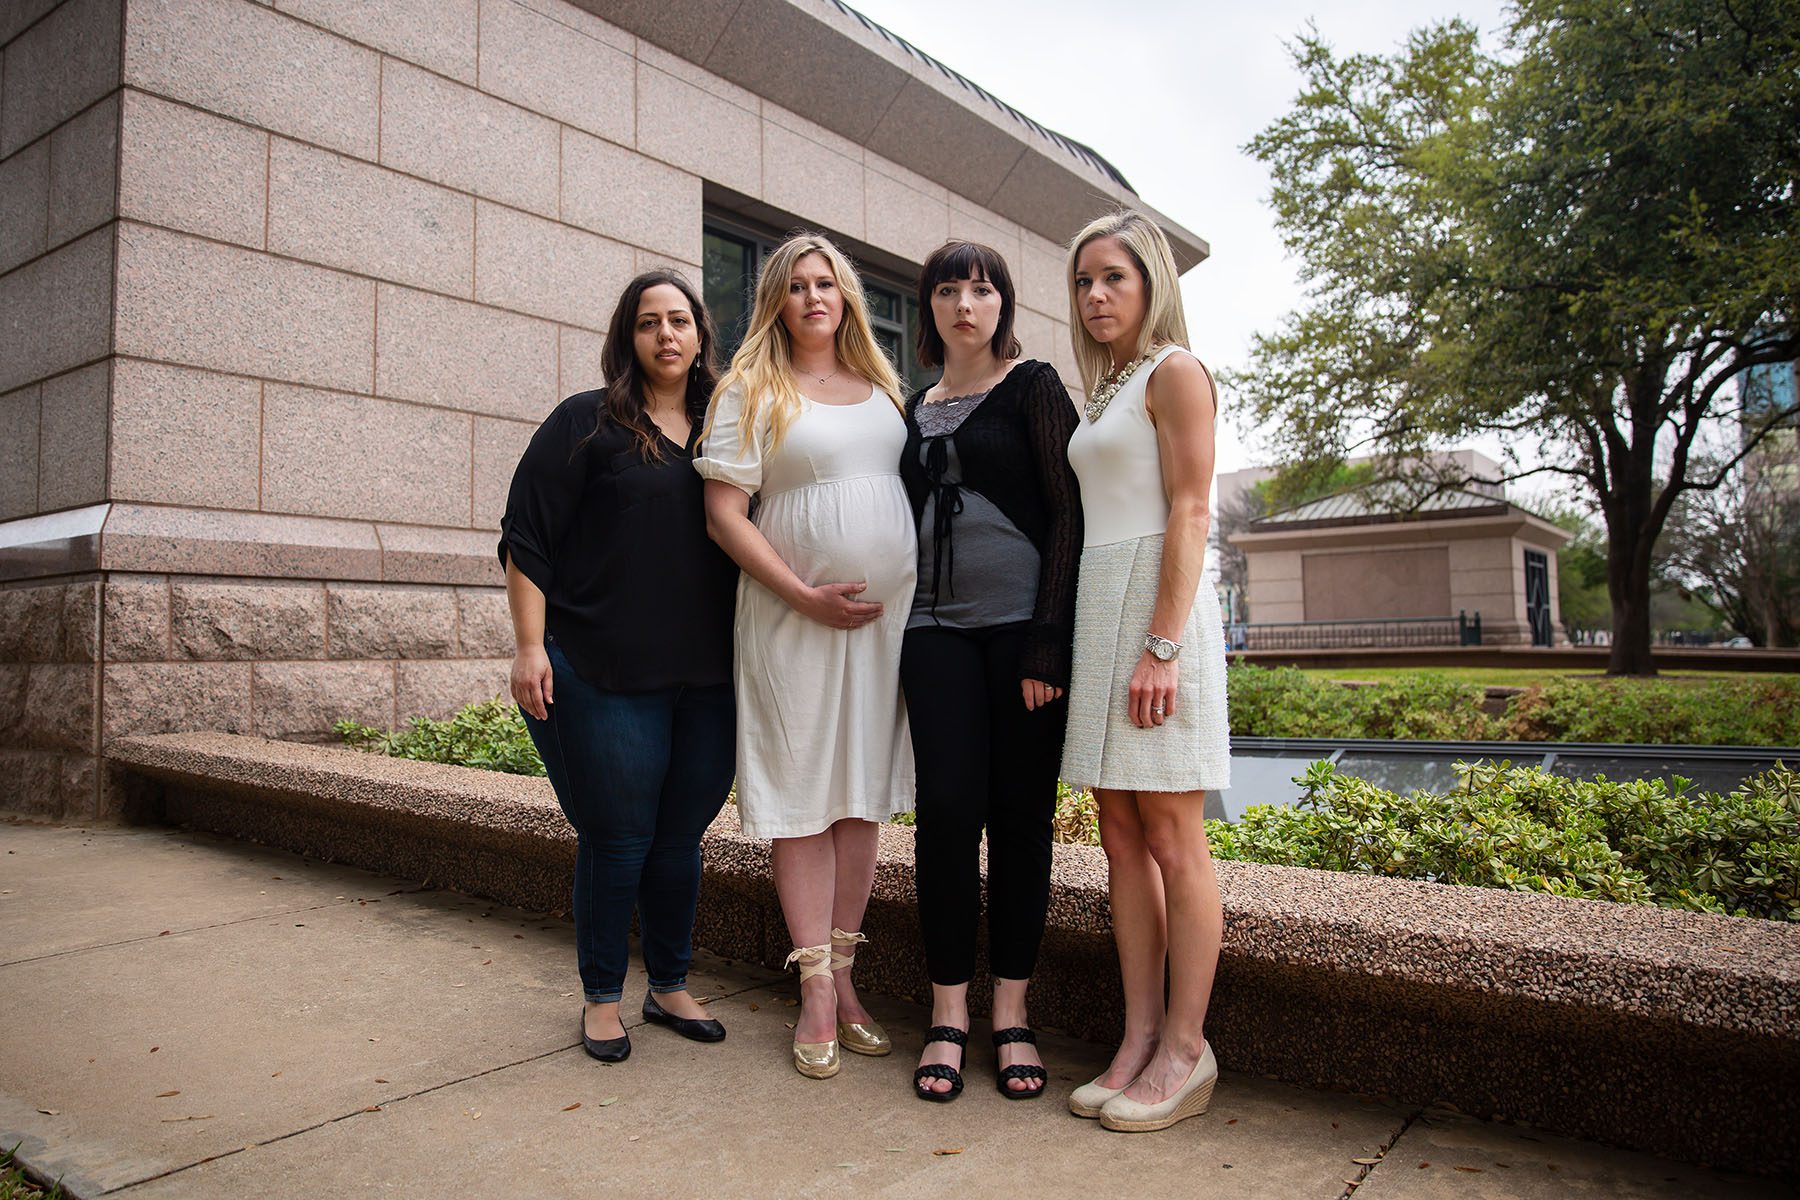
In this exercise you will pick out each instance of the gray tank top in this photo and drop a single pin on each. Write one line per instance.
(976, 569)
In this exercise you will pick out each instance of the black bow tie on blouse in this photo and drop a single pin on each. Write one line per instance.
(947, 498)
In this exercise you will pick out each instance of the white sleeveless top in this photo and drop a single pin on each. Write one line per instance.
(1115, 458)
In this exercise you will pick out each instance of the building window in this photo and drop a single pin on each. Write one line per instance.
(733, 253)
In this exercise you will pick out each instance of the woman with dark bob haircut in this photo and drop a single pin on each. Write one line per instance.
(621, 610)
(986, 654)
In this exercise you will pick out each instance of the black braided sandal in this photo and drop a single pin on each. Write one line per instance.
(956, 1037)
(1005, 1037)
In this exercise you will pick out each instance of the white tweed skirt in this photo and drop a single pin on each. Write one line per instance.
(1191, 750)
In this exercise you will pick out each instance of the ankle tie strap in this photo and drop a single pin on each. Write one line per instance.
(841, 959)
(813, 960)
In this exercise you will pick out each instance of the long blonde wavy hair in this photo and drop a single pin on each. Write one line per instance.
(763, 364)
(1164, 324)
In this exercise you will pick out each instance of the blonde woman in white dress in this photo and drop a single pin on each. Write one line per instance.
(808, 420)
(1148, 727)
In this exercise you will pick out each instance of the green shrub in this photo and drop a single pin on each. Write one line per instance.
(1286, 702)
(1077, 816)
(1713, 712)
(490, 735)
(1650, 842)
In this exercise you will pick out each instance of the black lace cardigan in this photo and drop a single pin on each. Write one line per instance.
(1014, 451)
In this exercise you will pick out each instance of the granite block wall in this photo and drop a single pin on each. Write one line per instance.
(49, 698)
(59, 133)
(284, 290)
(288, 658)
(346, 227)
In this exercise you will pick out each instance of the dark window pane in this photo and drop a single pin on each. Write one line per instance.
(890, 345)
(729, 269)
(884, 305)
(918, 375)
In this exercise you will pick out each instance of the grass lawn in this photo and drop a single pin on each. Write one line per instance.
(13, 1185)
(1525, 676)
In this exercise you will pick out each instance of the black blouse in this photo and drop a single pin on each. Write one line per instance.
(1014, 451)
(636, 594)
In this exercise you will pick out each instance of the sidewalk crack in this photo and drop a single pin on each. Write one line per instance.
(424, 1091)
(1380, 1155)
(151, 937)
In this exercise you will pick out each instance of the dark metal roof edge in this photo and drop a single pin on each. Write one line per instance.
(1079, 150)
(1268, 525)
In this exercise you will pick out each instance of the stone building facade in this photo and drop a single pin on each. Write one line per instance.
(285, 287)
(1360, 557)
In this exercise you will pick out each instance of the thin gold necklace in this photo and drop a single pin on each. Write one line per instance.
(1108, 385)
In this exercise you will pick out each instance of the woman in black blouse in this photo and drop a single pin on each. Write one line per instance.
(986, 655)
(621, 609)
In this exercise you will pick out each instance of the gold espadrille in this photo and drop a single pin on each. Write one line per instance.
(815, 1060)
(860, 1037)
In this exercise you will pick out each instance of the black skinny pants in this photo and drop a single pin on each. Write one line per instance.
(982, 759)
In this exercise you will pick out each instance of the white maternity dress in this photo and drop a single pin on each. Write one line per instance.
(1125, 511)
(822, 732)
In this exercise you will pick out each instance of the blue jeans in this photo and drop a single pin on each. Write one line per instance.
(640, 775)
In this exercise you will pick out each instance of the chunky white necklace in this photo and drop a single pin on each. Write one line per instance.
(1108, 385)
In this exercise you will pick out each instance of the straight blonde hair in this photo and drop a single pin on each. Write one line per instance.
(1164, 324)
(763, 364)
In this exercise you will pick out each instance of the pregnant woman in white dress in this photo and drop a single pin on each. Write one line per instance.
(808, 421)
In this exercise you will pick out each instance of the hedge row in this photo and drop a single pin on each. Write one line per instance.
(1285, 702)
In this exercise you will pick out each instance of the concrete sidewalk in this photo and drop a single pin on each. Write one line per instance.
(182, 1015)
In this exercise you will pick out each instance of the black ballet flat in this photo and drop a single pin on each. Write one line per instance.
(697, 1029)
(1005, 1037)
(607, 1050)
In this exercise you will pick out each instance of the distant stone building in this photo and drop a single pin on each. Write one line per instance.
(1369, 556)
(285, 287)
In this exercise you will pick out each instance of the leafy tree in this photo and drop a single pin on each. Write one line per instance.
(1581, 571)
(1585, 241)
(1303, 482)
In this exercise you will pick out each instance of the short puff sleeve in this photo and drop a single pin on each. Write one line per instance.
(727, 455)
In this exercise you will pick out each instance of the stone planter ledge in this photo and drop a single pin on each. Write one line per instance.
(1652, 1029)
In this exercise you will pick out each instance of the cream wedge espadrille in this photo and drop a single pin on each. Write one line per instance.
(1125, 1115)
(1088, 1099)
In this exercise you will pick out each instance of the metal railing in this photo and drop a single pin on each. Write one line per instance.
(1459, 630)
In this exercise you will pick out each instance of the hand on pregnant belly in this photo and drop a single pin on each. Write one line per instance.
(851, 544)
(836, 605)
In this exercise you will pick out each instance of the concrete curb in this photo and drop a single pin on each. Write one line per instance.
(1643, 1027)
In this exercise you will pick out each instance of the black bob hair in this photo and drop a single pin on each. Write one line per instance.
(950, 262)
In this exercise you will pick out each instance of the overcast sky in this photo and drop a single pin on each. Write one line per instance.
(1169, 92)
